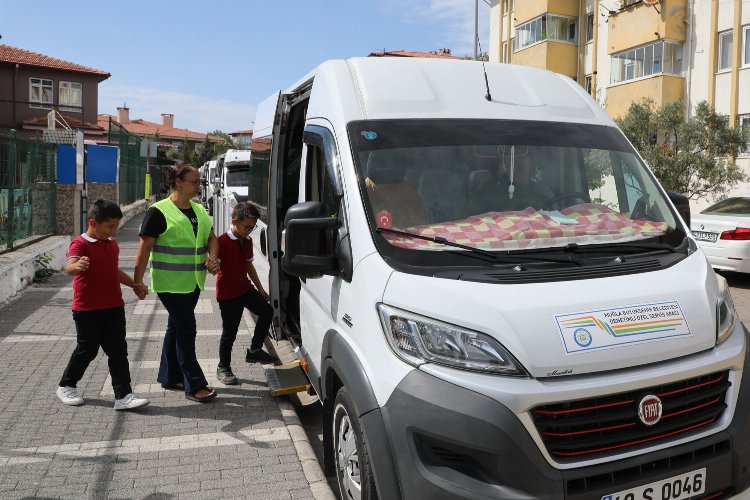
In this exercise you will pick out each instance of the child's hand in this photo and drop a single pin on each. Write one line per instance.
(140, 291)
(213, 264)
(81, 264)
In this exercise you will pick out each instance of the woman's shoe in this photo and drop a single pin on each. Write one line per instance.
(179, 386)
(201, 399)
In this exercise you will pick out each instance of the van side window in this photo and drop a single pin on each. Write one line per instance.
(257, 190)
(319, 186)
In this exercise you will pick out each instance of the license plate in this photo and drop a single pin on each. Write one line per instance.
(675, 488)
(704, 236)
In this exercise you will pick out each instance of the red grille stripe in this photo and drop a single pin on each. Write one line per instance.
(715, 400)
(715, 495)
(717, 379)
(562, 434)
(588, 408)
(631, 443)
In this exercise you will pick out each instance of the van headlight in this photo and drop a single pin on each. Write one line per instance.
(725, 314)
(418, 340)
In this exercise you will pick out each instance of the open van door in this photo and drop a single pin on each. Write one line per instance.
(270, 112)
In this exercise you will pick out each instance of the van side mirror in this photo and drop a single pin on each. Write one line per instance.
(682, 203)
(306, 254)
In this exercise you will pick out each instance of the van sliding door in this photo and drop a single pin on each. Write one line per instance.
(273, 229)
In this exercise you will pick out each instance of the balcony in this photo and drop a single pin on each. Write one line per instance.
(560, 57)
(660, 88)
(642, 23)
(526, 10)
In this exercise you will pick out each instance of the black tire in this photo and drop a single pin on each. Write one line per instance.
(353, 469)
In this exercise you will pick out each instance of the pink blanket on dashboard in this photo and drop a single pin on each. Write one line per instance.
(530, 228)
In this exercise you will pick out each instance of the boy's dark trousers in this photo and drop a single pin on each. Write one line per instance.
(231, 315)
(104, 328)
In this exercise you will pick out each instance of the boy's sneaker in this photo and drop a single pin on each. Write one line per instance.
(226, 376)
(69, 396)
(130, 402)
(258, 356)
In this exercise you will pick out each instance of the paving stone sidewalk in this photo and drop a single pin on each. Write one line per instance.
(238, 446)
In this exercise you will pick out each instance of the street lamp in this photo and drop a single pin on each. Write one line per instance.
(476, 24)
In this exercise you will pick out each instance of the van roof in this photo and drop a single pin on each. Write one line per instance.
(390, 88)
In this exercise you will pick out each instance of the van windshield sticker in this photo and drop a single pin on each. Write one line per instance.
(608, 328)
(369, 135)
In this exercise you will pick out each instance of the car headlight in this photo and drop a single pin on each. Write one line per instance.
(725, 314)
(418, 340)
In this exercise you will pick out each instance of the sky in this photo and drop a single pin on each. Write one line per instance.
(211, 62)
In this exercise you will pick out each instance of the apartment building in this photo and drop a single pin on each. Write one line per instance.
(623, 50)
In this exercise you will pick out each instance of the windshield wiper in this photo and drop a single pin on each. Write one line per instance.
(625, 247)
(492, 256)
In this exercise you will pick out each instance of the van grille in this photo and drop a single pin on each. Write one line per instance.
(582, 429)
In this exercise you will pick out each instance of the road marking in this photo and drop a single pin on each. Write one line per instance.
(90, 449)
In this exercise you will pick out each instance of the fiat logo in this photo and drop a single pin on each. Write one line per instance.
(649, 410)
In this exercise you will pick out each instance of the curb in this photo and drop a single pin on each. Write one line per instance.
(310, 465)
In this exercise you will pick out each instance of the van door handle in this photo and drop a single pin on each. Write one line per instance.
(263, 241)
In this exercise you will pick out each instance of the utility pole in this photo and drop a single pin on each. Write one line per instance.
(476, 28)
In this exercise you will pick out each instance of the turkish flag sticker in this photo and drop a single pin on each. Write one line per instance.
(385, 220)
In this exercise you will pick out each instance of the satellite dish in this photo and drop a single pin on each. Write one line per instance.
(650, 2)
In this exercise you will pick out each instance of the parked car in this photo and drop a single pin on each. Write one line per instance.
(208, 172)
(723, 232)
(490, 292)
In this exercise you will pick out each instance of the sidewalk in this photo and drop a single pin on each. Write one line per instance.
(238, 446)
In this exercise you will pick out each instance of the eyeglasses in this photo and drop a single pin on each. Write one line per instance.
(248, 227)
(192, 181)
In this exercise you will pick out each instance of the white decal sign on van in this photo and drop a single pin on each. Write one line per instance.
(607, 328)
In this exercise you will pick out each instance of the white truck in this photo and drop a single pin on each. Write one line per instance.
(491, 293)
(230, 185)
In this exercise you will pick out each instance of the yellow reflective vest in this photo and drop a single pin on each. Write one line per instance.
(178, 258)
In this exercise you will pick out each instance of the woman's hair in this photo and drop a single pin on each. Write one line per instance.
(179, 171)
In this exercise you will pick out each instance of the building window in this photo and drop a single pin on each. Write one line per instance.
(546, 27)
(589, 27)
(504, 54)
(587, 85)
(746, 46)
(70, 95)
(725, 50)
(505, 6)
(40, 91)
(743, 121)
(660, 57)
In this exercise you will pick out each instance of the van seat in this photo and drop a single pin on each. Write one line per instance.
(444, 194)
(390, 192)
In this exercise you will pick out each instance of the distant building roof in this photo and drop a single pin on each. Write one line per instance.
(439, 54)
(242, 132)
(14, 55)
(145, 128)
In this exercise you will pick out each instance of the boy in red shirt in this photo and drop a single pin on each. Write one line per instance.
(98, 308)
(235, 292)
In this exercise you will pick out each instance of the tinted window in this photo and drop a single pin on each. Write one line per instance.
(730, 206)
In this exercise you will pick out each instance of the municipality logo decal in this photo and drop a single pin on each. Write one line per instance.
(619, 326)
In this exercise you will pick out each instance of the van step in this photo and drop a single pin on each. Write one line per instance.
(287, 379)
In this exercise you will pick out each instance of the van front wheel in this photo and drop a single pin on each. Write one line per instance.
(353, 469)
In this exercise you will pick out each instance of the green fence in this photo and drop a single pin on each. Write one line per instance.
(132, 174)
(27, 189)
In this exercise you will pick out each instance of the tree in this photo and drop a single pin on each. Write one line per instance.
(695, 157)
(227, 143)
(203, 153)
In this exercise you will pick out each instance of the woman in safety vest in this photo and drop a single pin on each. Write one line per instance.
(177, 237)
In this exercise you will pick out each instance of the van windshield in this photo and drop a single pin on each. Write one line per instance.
(502, 185)
(238, 177)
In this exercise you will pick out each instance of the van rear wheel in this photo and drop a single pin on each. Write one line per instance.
(352, 460)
